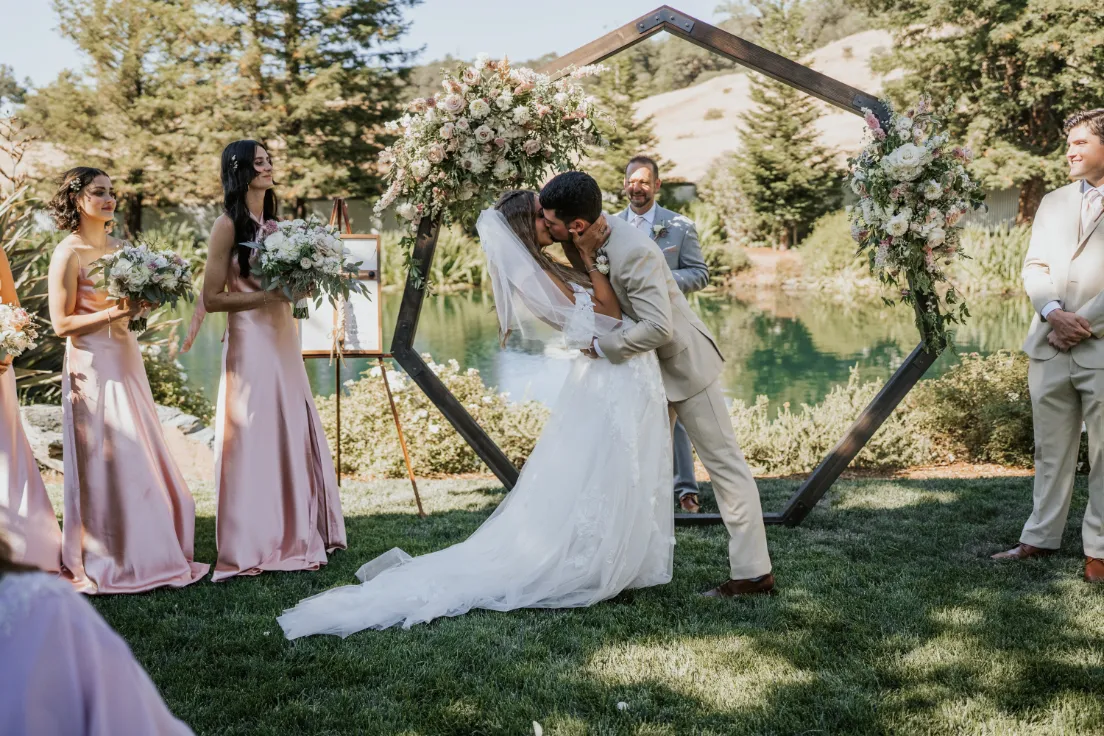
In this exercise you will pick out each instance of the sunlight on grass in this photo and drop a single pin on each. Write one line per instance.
(723, 673)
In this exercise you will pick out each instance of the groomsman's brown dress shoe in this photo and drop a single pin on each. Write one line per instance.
(1023, 552)
(688, 502)
(761, 585)
(1094, 570)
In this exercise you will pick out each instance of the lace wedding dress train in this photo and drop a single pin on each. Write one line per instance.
(590, 516)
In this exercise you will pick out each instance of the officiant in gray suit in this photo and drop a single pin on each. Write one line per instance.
(677, 238)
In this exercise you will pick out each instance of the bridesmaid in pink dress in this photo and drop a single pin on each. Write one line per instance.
(128, 518)
(25, 511)
(64, 670)
(278, 503)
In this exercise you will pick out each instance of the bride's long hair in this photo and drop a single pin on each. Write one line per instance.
(517, 207)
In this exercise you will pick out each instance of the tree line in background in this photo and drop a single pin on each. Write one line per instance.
(168, 83)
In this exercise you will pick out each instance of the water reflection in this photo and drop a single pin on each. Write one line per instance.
(788, 347)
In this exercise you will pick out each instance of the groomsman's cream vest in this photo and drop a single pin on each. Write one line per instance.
(1066, 265)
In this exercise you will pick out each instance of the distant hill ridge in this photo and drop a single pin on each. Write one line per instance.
(691, 141)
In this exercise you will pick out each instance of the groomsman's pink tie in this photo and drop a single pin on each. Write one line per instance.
(1090, 208)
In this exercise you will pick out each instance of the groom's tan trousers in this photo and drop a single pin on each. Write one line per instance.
(709, 425)
(1063, 394)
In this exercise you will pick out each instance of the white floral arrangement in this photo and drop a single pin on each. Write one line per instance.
(491, 128)
(305, 257)
(18, 331)
(143, 271)
(913, 193)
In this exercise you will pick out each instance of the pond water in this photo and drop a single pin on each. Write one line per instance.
(789, 347)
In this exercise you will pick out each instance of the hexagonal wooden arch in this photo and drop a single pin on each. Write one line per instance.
(761, 60)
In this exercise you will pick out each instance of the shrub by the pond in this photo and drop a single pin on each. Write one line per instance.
(724, 259)
(978, 411)
(170, 387)
(370, 445)
(796, 442)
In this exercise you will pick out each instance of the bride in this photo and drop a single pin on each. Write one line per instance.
(591, 513)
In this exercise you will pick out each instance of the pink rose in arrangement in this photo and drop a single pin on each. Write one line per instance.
(435, 154)
(532, 147)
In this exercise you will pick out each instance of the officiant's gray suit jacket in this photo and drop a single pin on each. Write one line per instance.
(680, 248)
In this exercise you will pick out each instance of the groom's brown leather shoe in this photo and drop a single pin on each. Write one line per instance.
(764, 584)
(1094, 570)
(1023, 552)
(688, 502)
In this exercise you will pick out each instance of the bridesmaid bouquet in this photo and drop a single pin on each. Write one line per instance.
(305, 256)
(143, 272)
(18, 331)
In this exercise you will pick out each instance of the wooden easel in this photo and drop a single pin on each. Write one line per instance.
(339, 218)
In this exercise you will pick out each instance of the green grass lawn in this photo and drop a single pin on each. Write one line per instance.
(889, 619)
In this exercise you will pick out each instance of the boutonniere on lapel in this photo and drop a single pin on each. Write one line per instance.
(658, 230)
(601, 261)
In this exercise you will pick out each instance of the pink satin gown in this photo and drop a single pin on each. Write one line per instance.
(278, 502)
(66, 672)
(26, 517)
(129, 520)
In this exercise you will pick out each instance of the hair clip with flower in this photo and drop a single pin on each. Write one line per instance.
(75, 184)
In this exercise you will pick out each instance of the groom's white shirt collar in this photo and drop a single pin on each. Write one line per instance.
(1085, 187)
(648, 216)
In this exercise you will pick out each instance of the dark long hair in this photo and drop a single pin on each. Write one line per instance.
(517, 207)
(237, 172)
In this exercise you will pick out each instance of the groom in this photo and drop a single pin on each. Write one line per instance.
(688, 358)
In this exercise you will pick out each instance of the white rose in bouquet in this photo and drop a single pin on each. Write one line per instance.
(906, 162)
(521, 115)
(479, 109)
(899, 224)
(484, 134)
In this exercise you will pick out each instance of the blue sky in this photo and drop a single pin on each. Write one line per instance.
(463, 28)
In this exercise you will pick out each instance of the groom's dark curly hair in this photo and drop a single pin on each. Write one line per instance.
(573, 195)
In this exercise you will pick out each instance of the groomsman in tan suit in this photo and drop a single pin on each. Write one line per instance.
(1064, 277)
(688, 359)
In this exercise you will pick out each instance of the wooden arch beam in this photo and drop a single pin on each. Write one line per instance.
(758, 59)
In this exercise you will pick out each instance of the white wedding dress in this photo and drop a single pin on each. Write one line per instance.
(590, 516)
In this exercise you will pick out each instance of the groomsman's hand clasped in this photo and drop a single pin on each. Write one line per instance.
(1067, 329)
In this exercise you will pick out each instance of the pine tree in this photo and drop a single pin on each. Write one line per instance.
(1013, 72)
(133, 113)
(787, 178)
(618, 91)
(316, 79)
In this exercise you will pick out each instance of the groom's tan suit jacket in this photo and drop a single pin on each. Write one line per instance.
(687, 352)
(691, 365)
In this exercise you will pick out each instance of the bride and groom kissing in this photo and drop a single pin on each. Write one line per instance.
(590, 515)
